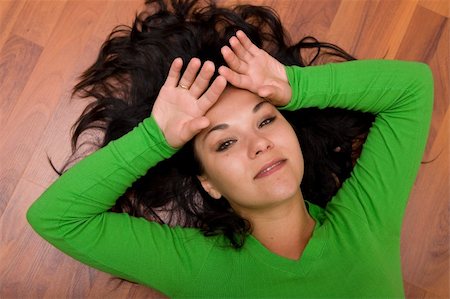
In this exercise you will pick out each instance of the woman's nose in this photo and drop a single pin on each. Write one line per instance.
(259, 145)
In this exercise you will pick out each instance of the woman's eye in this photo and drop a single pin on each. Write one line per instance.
(225, 145)
(267, 121)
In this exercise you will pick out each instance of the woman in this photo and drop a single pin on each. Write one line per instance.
(249, 155)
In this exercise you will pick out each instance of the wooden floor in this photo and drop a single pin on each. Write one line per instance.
(44, 45)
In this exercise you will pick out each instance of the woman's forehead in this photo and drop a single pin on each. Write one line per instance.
(233, 100)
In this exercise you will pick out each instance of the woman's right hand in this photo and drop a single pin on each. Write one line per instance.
(252, 68)
(182, 103)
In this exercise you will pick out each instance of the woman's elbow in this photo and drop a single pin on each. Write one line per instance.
(35, 219)
(43, 219)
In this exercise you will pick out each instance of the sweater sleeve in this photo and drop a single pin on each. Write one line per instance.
(400, 94)
(72, 214)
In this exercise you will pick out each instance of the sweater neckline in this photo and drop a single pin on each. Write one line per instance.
(312, 252)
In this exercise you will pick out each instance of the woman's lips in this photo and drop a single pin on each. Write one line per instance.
(270, 168)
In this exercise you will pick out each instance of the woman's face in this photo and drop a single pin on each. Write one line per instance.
(249, 153)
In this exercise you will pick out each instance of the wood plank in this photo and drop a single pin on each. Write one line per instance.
(386, 29)
(9, 10)
(19, 245)
(427, 33)
(423, 34)
(29, 23)
(75, 280)
(32, 262)
(426, 227)
(383, 23)
(47, 84)
(105, 286)
(439, 64)
(441, 7)
(397, 32)
(350, 21)
(17, 60)
(55, 141)
(302, 19)
(412, 291)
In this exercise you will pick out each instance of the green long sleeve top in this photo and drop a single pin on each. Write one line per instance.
(355, 247)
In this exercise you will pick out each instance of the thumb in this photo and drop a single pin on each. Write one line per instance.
(279, 96)
(194, 126)
(198, 124)
(269, 92)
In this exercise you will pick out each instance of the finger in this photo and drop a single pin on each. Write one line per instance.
(247, 43)
(230, 75)
(202, 80)
(239, 49)
(212, 94)
(190, 73)
(234, 78)
(233, 60)
(174, 72)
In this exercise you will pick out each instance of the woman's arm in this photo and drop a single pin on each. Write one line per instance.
(93, 185)
(400, 94)
(72, 214)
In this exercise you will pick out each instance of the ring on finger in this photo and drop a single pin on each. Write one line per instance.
(183, 86)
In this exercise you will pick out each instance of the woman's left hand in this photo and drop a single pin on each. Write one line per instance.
(254, 69)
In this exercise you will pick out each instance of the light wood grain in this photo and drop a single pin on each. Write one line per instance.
(438, 6)
(29, 22)
(9, 10)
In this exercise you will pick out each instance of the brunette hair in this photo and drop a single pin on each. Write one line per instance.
(132, 66)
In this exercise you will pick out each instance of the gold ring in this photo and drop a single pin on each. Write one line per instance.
(183, 86)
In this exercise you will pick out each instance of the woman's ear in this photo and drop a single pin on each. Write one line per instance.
(208, 187)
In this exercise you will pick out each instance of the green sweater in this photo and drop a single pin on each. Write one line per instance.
(355, 247)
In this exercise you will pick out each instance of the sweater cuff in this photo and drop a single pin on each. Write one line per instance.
(293, 74)
(151, 127)
(308, 83)
(143, 147)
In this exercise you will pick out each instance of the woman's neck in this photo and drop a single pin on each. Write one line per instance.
(284, 230)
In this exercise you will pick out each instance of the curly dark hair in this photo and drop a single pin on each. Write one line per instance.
(132, 66)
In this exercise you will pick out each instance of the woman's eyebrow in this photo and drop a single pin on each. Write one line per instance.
(259, 105)
(218, 127)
